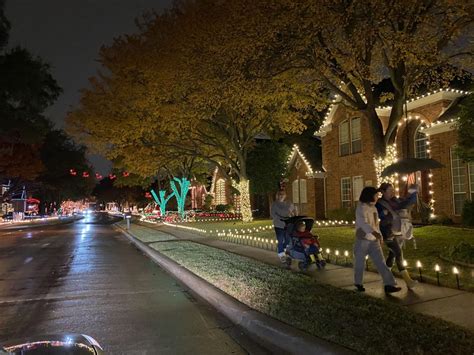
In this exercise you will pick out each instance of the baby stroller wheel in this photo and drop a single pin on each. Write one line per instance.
(302, 266)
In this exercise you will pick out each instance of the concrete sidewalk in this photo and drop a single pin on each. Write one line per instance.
(453, 305)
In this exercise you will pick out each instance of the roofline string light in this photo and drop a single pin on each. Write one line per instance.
(333, 105)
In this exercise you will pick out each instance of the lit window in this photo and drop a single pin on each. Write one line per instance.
(350, 137)
(346, 197)
(421, 146)
(356, 143)
(458, 174)
(344, 145)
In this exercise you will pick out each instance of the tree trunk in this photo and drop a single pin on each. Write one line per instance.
(245, 205)
(376, 129)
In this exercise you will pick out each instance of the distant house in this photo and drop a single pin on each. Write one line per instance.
(306, 180)
(222, 191)
(427, 132)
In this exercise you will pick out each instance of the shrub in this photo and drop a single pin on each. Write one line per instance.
(345, 214)
(222, 208)
(208, 202)
(462, 252)
(443, 219)
(468, 213)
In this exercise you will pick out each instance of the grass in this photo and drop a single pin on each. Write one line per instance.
(147, 235)
(432, 241)
(364, 324)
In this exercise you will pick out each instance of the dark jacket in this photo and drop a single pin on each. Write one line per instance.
(387, 218)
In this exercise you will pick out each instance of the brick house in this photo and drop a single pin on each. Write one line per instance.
(305, 186)
(427, 132)
(222, 191)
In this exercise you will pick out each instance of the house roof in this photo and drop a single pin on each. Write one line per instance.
(311, 156)
(426, 99)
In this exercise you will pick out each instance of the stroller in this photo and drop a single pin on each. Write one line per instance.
(295, 248)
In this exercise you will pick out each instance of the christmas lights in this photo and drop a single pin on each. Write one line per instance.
(243, 186)
(382, 162)
(181, 194)
(161, 200)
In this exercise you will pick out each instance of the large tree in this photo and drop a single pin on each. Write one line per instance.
(169, 95)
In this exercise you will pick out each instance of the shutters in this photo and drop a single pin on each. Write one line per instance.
(357, 186)
(295, 192)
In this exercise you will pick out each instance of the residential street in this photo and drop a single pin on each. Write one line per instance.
(86, 278)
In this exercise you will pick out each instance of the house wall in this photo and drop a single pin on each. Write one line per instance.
(314, 207)
(441, 145)
(337, 167)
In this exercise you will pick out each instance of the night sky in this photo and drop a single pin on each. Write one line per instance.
(68, 34)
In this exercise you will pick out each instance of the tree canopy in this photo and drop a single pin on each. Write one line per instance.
(466, 130)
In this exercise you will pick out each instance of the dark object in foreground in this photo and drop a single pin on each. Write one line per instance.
(410, 165)
(74, 344)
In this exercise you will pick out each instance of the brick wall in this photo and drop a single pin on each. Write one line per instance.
(442, 181)
(314, 207)
(336, 166)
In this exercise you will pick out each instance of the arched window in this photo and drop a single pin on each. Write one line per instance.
(421, 144)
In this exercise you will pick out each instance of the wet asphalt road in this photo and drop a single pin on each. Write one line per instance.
(86, 278)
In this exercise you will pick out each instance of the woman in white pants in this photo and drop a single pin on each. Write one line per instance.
(368, 242)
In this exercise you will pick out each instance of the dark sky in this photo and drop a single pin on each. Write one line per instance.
(68, 34)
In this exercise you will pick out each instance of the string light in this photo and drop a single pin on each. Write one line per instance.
(243, 186)
(382, 162)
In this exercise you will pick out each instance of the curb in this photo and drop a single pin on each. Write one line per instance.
(266, 330)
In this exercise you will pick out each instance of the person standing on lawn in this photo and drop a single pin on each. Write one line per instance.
(368, 241)
(388, 207)
(281, 209)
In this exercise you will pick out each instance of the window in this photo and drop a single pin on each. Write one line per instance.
(344, 147)
(299, 191)
(357, 186)
(350, 137)
(421, 144)
(356, 145)
(220, 192)
(346, 197)
(458, 174)
(470, 167)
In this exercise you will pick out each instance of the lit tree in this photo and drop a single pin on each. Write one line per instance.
(351, 47)
(181, 193)
(170, 95)
(161, 200)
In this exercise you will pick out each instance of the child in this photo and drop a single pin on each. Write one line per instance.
(310, 244)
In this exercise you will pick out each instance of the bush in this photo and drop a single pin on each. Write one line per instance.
(468, 213)
(444, 220)
(222, 208)
(462, 252)
(345, 214)
(208, 202)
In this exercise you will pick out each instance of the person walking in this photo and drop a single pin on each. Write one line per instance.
(368, 241)
(281, 209)
(388, 207)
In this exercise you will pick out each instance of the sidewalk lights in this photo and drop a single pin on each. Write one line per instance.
(437, 269)
(337, 254)
(328, 251)
(346, 254)
(418, 265)
(456, 272)
(367, 263)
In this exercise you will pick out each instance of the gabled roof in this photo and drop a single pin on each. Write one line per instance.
(426, 99)
(311, 157)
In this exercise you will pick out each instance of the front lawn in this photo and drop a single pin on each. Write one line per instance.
(362, 323)
(432, 241)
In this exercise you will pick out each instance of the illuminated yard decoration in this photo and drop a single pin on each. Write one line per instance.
(161, 200)
(243, 186)
(181, 194)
